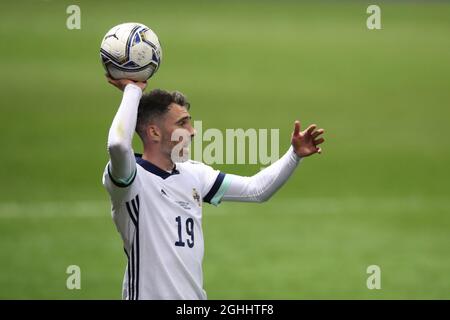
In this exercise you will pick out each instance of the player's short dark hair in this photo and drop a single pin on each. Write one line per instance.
(154, 105)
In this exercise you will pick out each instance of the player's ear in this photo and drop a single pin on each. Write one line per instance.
(153, 133)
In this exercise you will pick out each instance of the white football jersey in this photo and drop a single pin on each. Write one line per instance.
(159, 216)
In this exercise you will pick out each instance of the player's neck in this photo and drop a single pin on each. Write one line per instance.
(158, 160)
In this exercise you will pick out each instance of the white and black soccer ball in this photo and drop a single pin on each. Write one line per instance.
(131, 51)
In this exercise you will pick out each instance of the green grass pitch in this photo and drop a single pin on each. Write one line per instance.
(377, 195)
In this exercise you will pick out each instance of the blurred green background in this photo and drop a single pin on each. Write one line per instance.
(378, 195)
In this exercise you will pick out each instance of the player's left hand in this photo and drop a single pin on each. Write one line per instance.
(305, 143)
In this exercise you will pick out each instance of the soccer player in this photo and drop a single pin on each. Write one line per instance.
(157, 202)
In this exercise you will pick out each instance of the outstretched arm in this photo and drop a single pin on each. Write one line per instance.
(122, 167)
(264, 184)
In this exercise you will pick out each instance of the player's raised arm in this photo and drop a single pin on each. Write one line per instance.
(122, 166)
(264, 184)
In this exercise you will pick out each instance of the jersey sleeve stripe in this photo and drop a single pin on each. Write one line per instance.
(122, 184)
(212, 192)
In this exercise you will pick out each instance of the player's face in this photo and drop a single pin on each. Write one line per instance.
(177, 121)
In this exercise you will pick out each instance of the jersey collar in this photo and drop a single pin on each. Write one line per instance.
(150, 167)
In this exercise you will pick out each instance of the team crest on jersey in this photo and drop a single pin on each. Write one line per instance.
(196, 197)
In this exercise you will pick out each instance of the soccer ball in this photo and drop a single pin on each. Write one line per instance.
(131, 51)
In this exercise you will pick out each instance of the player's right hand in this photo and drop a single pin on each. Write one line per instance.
(122, 83)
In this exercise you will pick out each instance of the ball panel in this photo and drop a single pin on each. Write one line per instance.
(115, 50)
(141, 54)
(150, 37)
